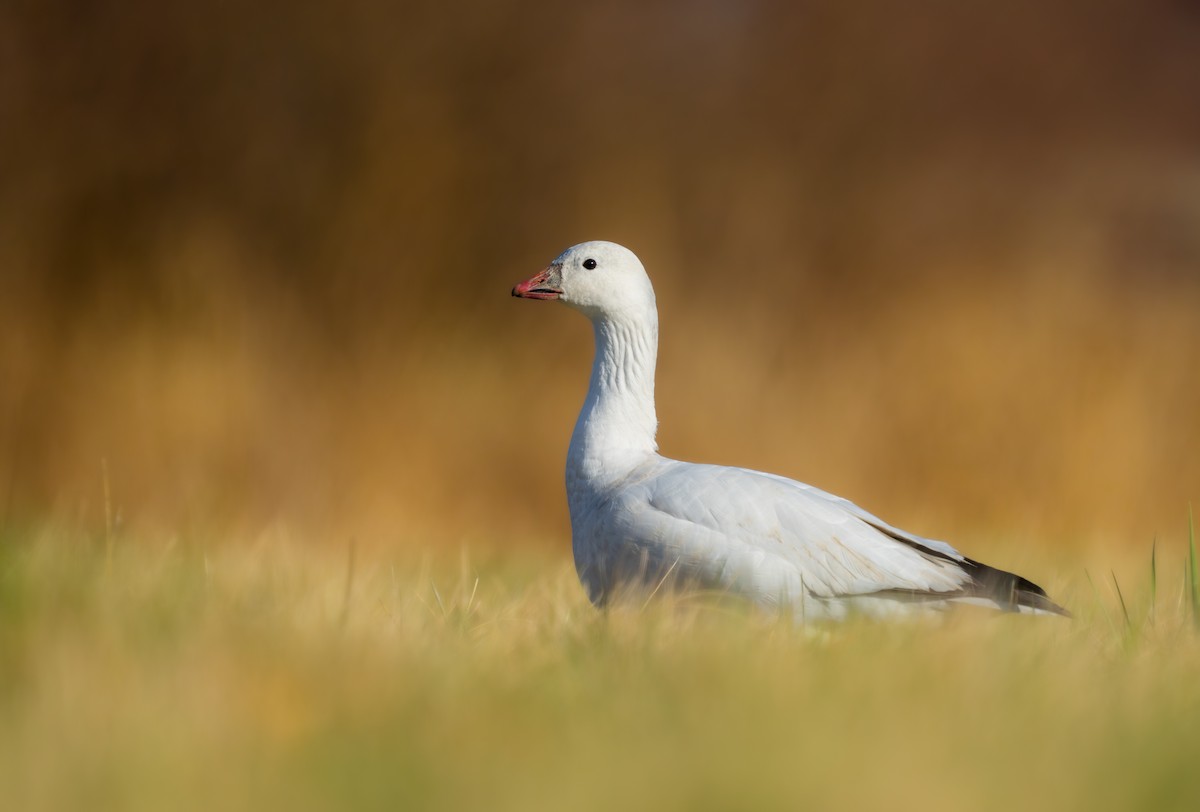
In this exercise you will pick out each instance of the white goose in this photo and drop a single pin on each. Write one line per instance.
(639, 520)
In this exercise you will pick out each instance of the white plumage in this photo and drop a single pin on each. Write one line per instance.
(639, 520)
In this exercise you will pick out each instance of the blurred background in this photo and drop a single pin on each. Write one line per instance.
(942, 258)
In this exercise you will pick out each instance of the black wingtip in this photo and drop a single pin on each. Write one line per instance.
(1010, 590)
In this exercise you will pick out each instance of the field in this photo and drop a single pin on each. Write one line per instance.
(273, 673)
(282, 522)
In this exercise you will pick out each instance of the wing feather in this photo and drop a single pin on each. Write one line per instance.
(770, 535)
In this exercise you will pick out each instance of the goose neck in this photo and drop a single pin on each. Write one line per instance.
(617, 425)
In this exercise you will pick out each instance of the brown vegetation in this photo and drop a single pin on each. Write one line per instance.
(943, 258)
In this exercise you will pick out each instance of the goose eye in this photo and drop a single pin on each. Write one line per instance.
(589, 264)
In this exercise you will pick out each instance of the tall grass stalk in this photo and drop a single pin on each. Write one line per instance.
(1124, 608)
(1193, 570)
(1153, 579)
(108, 515)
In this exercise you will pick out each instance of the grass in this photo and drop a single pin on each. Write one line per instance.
(277, 674)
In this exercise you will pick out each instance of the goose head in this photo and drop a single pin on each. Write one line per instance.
(601, 279)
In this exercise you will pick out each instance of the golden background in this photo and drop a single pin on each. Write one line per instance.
(942, 258)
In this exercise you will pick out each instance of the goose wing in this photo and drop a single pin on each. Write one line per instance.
(774, 537)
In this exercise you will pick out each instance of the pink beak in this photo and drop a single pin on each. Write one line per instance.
(545, 284)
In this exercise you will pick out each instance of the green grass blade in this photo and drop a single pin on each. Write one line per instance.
(1153, 578)
(1194, 581)
(1124, 608)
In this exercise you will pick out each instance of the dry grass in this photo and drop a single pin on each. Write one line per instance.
(254, 265)
(271, 673)
(943, 261)
(1044, 408)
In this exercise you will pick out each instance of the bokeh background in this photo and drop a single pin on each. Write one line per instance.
(940, 257)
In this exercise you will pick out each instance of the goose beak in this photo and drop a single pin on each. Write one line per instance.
(545, 284)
